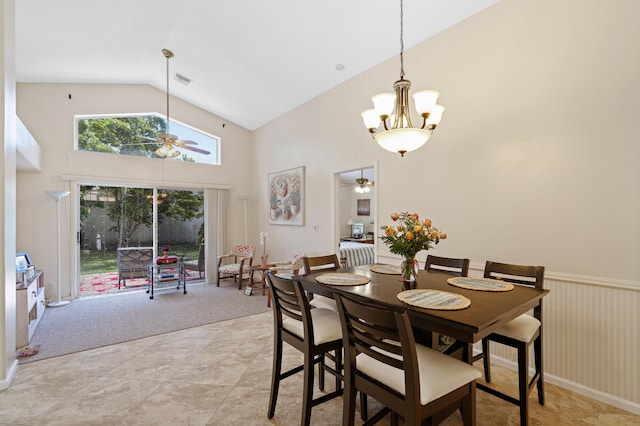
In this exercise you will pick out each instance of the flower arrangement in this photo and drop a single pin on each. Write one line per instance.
(408, 237)
(166, 248)
(263, 242)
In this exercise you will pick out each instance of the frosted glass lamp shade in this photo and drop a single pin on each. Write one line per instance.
(384, 103)
(435, 117)
(371, 119)
(402, 140)
(425, 100)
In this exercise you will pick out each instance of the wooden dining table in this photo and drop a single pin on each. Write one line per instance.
(487, 312)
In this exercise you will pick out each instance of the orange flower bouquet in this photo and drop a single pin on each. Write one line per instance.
(408, 237)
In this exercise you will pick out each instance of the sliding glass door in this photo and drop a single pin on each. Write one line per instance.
(120, 217)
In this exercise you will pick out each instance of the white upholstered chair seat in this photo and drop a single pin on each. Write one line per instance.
(522, 328)
(326, 326)
(323, 302)
(439, 373)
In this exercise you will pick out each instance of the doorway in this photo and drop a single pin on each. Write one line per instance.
(113, 217)
(356, 212)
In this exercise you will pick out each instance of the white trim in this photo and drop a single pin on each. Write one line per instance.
(606, 398)
(141, 183)
(11, 373)
(581, 279)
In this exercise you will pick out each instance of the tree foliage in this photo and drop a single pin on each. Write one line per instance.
(121, 135)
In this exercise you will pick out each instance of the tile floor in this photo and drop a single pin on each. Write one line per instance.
(219, 374)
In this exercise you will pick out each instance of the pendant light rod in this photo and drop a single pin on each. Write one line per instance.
(167, 54)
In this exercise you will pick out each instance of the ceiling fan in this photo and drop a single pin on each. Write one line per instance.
(362, 183)
(168, 142)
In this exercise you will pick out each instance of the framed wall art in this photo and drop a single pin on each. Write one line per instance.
(364, 207)
(286, 197)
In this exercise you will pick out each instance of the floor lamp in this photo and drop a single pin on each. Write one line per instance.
(57, 195)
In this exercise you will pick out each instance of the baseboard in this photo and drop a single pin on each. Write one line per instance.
(606, 398)
(11, 373)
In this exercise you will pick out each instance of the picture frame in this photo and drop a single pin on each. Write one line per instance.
(286, 197)
(22, 261)
(363, 207)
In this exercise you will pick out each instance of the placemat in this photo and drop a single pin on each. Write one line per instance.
(434, 299)
(342, 278)
(480, 284)
(383, 268)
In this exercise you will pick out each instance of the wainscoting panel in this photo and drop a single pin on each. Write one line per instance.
(591, 336)
(591, 339)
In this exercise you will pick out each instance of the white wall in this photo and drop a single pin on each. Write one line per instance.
(48, 113)
(535, 162)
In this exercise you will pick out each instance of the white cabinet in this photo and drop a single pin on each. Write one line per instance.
(30, 306)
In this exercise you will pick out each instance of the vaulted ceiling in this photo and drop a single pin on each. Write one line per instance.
(249, 61)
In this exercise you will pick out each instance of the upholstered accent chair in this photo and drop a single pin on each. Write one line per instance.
(236, 264)
(290, 268)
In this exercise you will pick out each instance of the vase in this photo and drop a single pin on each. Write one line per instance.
(165, 254)
(409, 269)
(263, 262)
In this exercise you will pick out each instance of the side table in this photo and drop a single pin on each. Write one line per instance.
(262, 270)
(154, 275)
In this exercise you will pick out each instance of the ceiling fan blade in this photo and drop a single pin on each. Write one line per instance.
(193, 148)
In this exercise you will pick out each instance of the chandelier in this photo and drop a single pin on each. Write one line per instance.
(392, 110)
(363, 184)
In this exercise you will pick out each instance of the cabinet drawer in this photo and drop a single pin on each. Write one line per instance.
(32, 294)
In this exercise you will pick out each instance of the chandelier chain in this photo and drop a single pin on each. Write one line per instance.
(401, 39)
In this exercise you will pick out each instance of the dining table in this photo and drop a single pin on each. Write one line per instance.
(483, 313)
(486, 313)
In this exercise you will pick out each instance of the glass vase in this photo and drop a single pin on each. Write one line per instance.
(409, 269)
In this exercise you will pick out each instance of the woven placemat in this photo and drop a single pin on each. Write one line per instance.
(383, 268)
(480, 284)
(434, 299)
(342, 278)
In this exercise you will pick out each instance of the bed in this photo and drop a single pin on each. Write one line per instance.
(353, 253)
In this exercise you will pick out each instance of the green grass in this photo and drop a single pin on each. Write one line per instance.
(95, 262)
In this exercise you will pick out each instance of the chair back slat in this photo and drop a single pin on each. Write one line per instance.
(284, 296)
(532, 276)
(454, 266)
(329, 262)
(381, 333)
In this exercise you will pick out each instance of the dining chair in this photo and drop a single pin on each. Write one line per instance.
(410, 380)
(236, 264)
(326, 263)
(519, 333)
(451, 265)
(314, 332)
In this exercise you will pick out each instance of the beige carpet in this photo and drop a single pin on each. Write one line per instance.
(93, 322)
